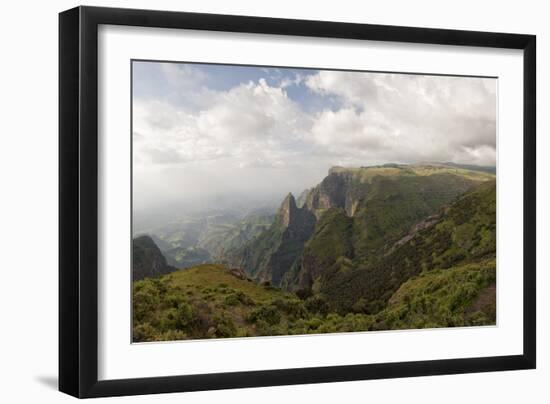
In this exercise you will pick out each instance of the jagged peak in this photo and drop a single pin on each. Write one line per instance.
(289, 199)
(287, 209)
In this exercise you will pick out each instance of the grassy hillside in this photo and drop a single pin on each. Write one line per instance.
(212, 301)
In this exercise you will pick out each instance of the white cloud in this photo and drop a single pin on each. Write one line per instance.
(253, 138)
(182, 76)
(353, 88)
(287, 81)
(253, 123)
(407, 118)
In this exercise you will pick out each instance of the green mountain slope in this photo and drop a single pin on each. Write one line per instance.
(465, 232)
(464, 295)
(330, 246)
(393, 205)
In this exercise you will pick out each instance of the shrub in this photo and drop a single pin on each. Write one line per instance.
(245, 299)
(360, 306)
(184, 315)
(268, 313)
(303, 294)
(317, 304)
(297, 327)
(172, 335)
(143, 332)
(225, 328)
(168, 319)
(202, 319)
(145, 299)
(237, 297)
(293, 307)
(231, 299)
(173, 300)
(314, 323)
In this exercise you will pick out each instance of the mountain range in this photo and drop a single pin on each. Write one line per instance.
(351, 218)
(400, 246)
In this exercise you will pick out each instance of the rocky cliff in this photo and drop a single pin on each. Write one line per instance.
(147, 259)
(338, 190)
(270, 255)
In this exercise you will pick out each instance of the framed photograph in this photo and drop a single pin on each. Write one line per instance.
(251, 201)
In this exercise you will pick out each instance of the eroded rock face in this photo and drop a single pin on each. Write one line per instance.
(337, 190)
(331, 192)
(310, 270)
(295, 219)
(423, 224)
(297, 227)
(238, 273)
(147, 259)
(288, 212)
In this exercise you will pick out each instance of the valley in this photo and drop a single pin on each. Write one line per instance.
(205, 237)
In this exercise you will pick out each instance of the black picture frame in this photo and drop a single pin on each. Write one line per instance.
(78, 201)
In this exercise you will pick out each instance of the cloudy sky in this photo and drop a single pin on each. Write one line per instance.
(201, 131)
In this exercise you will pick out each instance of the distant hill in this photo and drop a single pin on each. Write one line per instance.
(218, 238)
(485, 169)
(206, 237)
(147, 259)
(184, 257)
